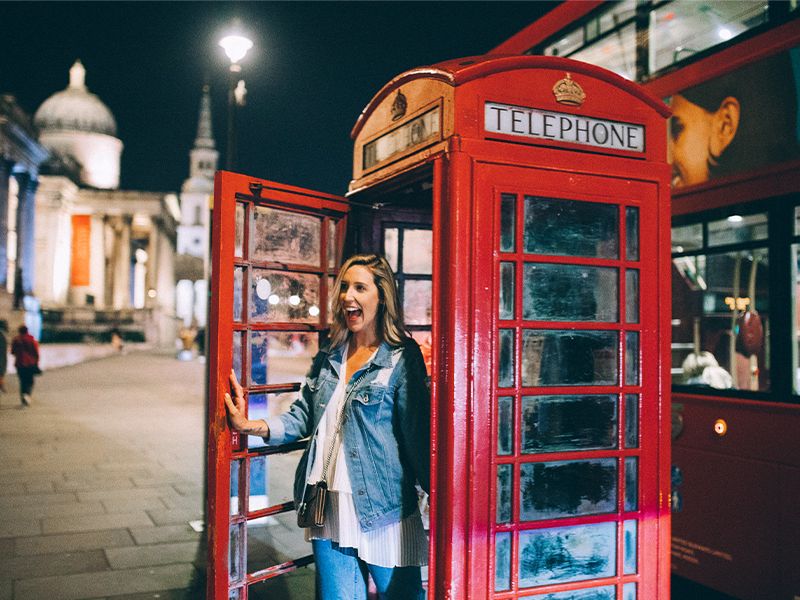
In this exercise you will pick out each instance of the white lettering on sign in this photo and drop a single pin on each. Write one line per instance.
(563, 127)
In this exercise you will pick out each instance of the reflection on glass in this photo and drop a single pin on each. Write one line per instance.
(502, 561)
(505, 475)
(508, 210)
(631, 358)
(285, 237)
(235, 594)
(687, 237)
(417, 301)
(613, 52)
(606, 592)
(631, 420)
(632, 233)
(563, 423)
(391, 247)
(629, 547)
(555, 292)
(506, 290)
(236, 466)
(569, 357)
(629, 591)
(571, 228)
(631, 483)
(552, 490)
(737, 228)
(257, 494)
(631, 296)
(332, 254)
(417, 251)
(238, 288)
(505, 367)
(235, 553)
(563, 554)
(280, 357)
(505, 425)
(280, 296)
(236, 358)
(238, 231)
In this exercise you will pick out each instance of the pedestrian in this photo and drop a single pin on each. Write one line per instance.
(366, 407)
(26, 352)
(3, 354)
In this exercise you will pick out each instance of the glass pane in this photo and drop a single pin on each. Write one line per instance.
(257, 497)
(417, 251)
(502, 561)
(629, 547)
(632, 233)
(552, 490)
(238, 288)
(569, 293)
(508, 212)
(236, 358)
(235, 541)
(631, 420)
(631, 296)
(417, 301)
(390, 247)
(506, 290)
(687, 238)
(238, 228)
(797, 220)
(629, 591)
(682, 29)
(257, 408)
(796, 313)
(631, 358)
(284, 237)
(567, 357)
(571, 228)
(235, 594)
(505, 425)
(280, 357)
(505, 367)
(280, 296)
(563, 554)
(564, 423)
(606, 592)
(332, 245)
(505, 475)
(721, 322)
(236, 466)
(613, 52)
(631, 483)
(737, 228)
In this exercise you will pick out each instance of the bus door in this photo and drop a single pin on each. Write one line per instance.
(275, 253)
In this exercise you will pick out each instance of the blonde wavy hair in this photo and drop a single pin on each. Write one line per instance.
(389, 320)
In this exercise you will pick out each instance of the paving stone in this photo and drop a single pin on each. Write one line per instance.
(118, 505)
(72, 542)
(22, 567)
(6, 589)
(102, 483)
(6, 547)
(105, 584)
(163, 595)
(196, 503)
(64, 509)
(19, 528)
(126, 494)
(165, 533)
(95, 522)
(168, 516)
(9, 489)
(158, 554)
(39, 487)
(188, 489)
(31, 499)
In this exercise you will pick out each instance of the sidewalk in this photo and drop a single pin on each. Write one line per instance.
(99, 480)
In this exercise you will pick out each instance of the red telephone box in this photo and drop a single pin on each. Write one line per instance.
(544, 185)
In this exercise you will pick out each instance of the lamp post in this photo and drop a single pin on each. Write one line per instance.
(236, 46)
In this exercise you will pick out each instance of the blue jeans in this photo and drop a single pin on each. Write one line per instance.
(341, 575)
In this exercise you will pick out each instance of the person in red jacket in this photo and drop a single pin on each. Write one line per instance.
(26, 352)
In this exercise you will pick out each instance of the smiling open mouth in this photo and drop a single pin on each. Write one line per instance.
(353, 313)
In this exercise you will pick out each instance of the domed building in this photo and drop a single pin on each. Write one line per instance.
(76, 123)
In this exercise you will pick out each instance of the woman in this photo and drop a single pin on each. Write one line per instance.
(365, 405)
(26, 354)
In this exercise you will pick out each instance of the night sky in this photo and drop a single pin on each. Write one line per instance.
(313, 69)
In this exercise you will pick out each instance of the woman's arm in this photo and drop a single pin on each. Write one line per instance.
(413, 403)
(236, 412)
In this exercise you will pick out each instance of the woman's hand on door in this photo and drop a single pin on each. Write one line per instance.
(236, 411)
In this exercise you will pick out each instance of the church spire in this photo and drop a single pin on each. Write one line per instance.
(205, 136)
(77, 75)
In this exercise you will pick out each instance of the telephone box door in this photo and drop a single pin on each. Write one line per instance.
(569, 345)
(275, 252)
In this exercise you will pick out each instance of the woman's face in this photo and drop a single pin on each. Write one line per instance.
(359, 298)
(689, 141)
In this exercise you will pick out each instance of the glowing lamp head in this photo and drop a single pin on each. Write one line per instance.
(235, 46)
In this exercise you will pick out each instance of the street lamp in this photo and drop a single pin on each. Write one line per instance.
(236, 46)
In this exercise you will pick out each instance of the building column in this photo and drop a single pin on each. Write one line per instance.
(26, 241)
(5, 173)
(151, 278)
(121, 287)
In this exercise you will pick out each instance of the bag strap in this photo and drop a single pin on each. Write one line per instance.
(339, 423)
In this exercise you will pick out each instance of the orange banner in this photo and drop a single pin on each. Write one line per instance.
(81, 250)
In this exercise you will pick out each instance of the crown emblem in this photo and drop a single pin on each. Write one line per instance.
(399, 106)
(568, 92)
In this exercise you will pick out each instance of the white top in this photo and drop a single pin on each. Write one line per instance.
(398, 544)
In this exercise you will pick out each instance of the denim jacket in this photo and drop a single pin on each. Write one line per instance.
(385, 433)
